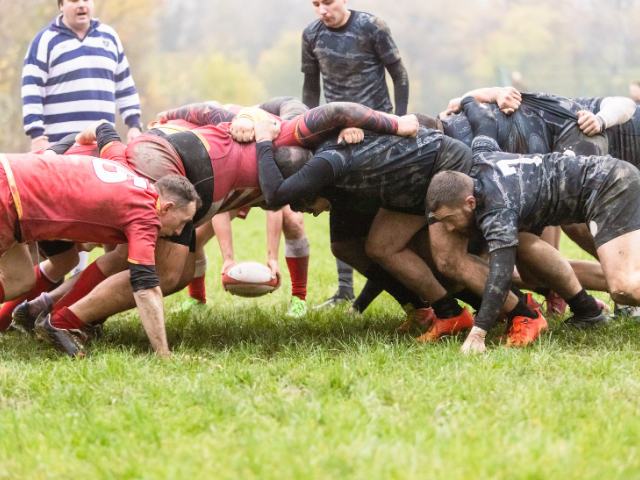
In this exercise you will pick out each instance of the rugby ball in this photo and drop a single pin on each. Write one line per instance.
(249, 279)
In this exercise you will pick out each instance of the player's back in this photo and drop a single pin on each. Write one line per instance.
(79, 198)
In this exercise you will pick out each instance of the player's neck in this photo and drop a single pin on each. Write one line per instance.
(80, 31)
(344, 21)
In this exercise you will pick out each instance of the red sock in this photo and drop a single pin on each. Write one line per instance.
(298, 269)
(197, 289)
(43, 284)
(89, 279)
(67, 320)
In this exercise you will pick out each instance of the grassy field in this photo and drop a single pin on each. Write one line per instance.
(327, 396)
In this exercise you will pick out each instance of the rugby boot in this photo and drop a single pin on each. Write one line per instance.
(337, 299)
(22, 317)
(70, 342)
(447, 327)
(582, 322)
(418, 317)
(627, 311)
(532, 303)
(189, 304)
(555, 304)
(298, 308)
(525, 330)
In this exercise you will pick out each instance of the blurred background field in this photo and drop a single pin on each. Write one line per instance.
(244, 51)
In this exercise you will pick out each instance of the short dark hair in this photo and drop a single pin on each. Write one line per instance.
(291, 159)
(179, 190)
(60, 2)
(447, 189)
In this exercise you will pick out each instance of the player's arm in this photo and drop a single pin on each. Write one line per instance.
(277, 190)
(613, 111)
(284, 107)
(35, 74)
(311, 89)
(62, 146)
(148, 297)
(109, 144)
(222, 229)
(507, 98)
(400, 78)
(274, 233)
(198, 114)
(484, 126)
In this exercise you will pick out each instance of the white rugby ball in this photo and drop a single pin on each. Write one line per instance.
(249, 279)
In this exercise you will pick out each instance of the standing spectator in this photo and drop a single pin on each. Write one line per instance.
(634, 91)
(351, 51)
(75, 72)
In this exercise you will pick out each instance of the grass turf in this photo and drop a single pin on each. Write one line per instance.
(326, 396)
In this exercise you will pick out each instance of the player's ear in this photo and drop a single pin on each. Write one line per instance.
(167, 207)
(471, 202)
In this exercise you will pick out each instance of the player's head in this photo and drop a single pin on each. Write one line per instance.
(333, 13)
(76, 14)
(429, 122)
(314, 206)
(291, 159)
(450, 201)
(177, 203)
(634, 90)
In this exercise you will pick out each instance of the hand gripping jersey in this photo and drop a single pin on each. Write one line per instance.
(83, 199)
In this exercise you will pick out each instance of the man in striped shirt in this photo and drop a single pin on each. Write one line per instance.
(75, 73)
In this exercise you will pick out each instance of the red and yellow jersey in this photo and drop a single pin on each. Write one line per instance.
(84, 199)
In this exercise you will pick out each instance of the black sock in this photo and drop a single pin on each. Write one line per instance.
(447, 307)
(470, 298)
(521, 310)
(367, 295)
(584, 304)
(520, 294)
(544, 291)
(393, 286)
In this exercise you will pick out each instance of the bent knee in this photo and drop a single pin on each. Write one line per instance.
(448, 266)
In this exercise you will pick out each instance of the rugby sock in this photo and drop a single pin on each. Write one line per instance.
(470, 298)
(197, 287)
(521, 310)
(89, 279)
(345, 280)
(65, 319)
(584, 304)
(447, 307)
(296, 253)
(41, 303)
(383, 280)
(82, 263)
(43, 284)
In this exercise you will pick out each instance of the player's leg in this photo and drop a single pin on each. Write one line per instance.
(579, 233)
(62, 258)
(296, 252)
(621, 264)
(197, 288)
(547, 265)
(17, 275)
(555, 303)
(392, 252)
(115, 295)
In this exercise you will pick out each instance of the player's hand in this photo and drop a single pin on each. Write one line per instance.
(475, 341)
(226, 265)
(408, 126)
(589, 123)
(162, 117)
(508, 100)
(88, 135)
(242, 130)
(133, 133)
(39, 143)
(266, 130)
(275, 270)
(351, 135)
(455, 106)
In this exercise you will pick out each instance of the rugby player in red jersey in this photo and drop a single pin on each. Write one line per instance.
(94, 200)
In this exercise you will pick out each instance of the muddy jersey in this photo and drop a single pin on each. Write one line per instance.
(526, 193)
(388, 171)
(533, 128)
(85, 199)
(351, 59)
(624, 140)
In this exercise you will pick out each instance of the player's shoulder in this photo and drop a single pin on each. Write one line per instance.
(370, 22)
(313, 29)
(105, 30)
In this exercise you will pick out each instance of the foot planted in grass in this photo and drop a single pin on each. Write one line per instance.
(525, 331)
(298, 308)
(67, 341)
(447, 327)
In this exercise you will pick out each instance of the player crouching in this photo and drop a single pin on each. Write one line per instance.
(84, 199)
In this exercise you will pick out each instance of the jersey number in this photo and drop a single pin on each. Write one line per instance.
(507, 168)
(110, 172)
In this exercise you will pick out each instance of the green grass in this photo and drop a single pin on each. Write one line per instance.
(327, 396)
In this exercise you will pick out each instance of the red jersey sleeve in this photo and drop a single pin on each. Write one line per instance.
(142, 236)
(114, 151)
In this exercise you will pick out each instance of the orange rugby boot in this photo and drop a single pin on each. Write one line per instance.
(421, 318)
(447, 327)
(526, 330)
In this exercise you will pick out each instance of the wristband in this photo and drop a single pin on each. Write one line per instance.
(478, 332)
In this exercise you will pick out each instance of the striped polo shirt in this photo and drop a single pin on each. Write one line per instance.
(68, 83)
